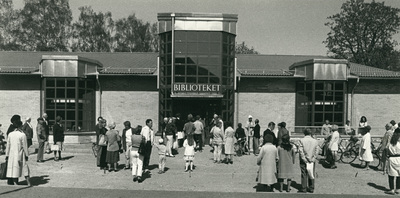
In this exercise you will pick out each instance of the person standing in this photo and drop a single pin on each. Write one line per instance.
(16, 155)
(267, 161)
(218, 140)
(179, 123)
(256, 137)
(385, 144)
(127, 133)
(286, 162)
(348, 129)
(170, 131)
(250, 132)
(393, 168)
(14, 119)
(148, 134)
(28, 130)
(188, 128)
(326, 128)
(41, 136)
(137, 158)
(334, 145)
(162, 150)
(363, 122)
(365, 147)
(112, 137)
(101, 144)
(58, 137)
(282, 131)
(229, 143)
(189, 145)
(270, 130)
(240, 136)
(198, 133)
(308, 149)
(47, 133)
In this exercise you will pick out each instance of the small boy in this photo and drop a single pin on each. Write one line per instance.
(162, 149)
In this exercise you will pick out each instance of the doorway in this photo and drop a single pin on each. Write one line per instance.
(206, 108)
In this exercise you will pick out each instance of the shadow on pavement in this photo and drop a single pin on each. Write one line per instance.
(153, 166)
(37, 180)
(11, 191)
(378, 187)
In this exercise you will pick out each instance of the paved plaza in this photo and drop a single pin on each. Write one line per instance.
(78, 171)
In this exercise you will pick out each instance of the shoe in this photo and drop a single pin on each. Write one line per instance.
(288, 190)
(40, 161)
(397, 191)
(186, 170)
(215, 161)
(134, 179)
(390, 192)
(301, 191)
(116, 170)
(140, 179)
(231, 162)
(171, 155)
(333, 167)
(126, 167)
(310, 191)
(160, 172)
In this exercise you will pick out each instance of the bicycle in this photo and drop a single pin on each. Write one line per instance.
(352, 151)
(240, 147)
(338, 153)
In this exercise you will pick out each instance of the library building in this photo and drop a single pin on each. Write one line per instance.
(196, 71)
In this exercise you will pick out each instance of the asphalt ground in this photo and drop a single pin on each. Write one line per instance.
(78, 173)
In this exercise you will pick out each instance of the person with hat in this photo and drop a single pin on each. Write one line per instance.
(41, 136)
(112, 138)
(334, 145)
(250, 132)
(162, 150)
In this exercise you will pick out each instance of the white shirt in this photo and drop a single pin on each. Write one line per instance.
(147, 133)
(128, 135)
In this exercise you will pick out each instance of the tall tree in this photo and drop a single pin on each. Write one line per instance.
(154, 37)
(132, 35)
(9, 24)
(242, 48)
(46, 25)
(362, 33)
(93, 32)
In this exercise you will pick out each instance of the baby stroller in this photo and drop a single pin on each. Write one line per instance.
(240, 147)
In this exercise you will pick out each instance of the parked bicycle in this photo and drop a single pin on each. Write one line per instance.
(352, 152)
(341, 147)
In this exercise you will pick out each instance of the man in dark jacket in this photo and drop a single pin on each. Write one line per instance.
(58, 137)
(271, 127)
(256, 137)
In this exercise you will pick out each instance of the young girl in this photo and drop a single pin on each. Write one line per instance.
(189, 145)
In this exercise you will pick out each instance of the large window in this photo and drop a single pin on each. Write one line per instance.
(73, 99)
(317, 101)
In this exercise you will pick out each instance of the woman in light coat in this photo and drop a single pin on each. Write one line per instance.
(365, 147)
(17, 155)
(229, 143)
(267, 161)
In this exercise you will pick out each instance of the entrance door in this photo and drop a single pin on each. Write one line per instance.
(206, 108)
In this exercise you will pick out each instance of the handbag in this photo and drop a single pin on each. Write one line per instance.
(102, 140)
(55, 147)
(3, 170)
(175, 145)
(310, 170)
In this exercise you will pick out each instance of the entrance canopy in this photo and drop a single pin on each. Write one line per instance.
(322, 69)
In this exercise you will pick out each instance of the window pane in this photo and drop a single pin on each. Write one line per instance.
(60, 93)
(71, 83)
(203, 47)
(50, 93)
(70, 115)
(203, 36)
(71, 93)
(338, 86)
(180, 79)
(60, 83)
(180, 60)
(50, 82)
(214, 80)
(191, 70)
(319, 85)
(191, 80)
(203, 80)
(180, 69)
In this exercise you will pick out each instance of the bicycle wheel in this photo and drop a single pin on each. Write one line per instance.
(348, 156)
(339, 155)
(376, 162)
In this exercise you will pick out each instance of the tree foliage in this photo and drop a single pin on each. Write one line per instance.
(242, 48)
(93, 32)
(45, 25)
(362, 33)
(134, 35)
(9, 24)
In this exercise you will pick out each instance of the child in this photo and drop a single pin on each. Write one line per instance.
(189, 145)
(162, 149)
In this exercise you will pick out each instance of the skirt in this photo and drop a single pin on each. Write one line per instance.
(188, 157)
(112, 157)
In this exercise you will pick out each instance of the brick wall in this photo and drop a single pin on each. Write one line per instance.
(134, 106)
(378, 108)
(24, 103)
(267, 107)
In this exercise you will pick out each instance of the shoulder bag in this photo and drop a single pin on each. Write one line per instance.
(102, 140)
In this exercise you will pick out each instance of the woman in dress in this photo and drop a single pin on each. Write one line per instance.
(218, 140)
(393, 166)
(385, 144)
(28, 130)
(136, 157)
(267, 161)
(58, 133)
(112, 138)
(286, 162)
(16, 155)
(365, 147)
(229, 143)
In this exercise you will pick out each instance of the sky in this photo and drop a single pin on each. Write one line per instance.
(286, 27)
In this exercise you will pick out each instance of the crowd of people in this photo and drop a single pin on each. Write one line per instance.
(274, 149)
